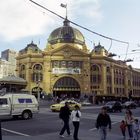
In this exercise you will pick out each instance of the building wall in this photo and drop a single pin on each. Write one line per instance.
(10, 56)
(99, 75)
(4, 68)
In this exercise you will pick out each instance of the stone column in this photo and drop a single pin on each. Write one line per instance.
(112, 81)
(104, 79)
(126, 82)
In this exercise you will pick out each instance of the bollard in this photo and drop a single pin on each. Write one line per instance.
(0, 131)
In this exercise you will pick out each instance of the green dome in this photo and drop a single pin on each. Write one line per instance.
(66, 34)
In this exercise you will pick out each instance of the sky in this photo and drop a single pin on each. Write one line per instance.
(21, 22)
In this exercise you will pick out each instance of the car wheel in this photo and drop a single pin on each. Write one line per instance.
(26, 115)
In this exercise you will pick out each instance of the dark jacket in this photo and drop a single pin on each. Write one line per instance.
(64, 113)
(103, 120)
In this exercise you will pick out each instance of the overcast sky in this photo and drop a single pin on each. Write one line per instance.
(21, 22)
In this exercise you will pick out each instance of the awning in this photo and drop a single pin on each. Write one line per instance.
(11, 79)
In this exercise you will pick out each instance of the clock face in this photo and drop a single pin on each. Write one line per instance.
(67, 53)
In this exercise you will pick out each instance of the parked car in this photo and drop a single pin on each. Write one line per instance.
(86, 103)
(113, 106)
(57, 107)
(138, 104)
(130, 105)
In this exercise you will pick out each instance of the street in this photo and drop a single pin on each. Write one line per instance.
(47, 125)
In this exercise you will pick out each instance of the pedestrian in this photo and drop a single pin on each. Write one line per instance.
(123, 128)
(103, 121)
(129, 119)
(136, 129)
(65, 115)
(75, 115)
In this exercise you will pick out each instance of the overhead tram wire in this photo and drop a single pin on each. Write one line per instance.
(124, 42)
(110, 45)
(126, 51)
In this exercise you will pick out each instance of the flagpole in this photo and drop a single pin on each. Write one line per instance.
(65, 6)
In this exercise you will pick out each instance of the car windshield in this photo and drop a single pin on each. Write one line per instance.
(127, 103)
(69, 101)
(62, 102)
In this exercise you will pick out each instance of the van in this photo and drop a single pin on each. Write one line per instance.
(24, 105)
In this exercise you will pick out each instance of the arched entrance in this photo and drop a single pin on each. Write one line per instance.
(66, 87)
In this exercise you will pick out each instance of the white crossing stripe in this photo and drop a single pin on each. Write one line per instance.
(15, 132)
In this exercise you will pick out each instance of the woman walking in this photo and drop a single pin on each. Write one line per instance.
(129, 118)
(75, 115)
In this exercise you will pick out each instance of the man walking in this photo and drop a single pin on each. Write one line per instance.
(103, 121)
(65, 115)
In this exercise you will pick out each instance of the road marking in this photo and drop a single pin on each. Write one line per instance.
(15, 132)
(92, 129)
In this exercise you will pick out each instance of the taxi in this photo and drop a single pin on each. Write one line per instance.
(57, 107)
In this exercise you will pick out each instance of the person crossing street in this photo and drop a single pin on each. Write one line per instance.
(75, 115)
(65, 115)
(103, 121)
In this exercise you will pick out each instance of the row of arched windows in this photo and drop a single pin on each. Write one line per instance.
(136, 80)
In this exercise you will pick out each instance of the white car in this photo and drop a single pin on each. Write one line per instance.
(15, 105)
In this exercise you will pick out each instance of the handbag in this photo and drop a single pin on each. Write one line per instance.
(77, 115)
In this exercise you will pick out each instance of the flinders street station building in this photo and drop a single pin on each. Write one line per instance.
(67, 67)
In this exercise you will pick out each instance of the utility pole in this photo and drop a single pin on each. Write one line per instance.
(38, 91)
(0, 131)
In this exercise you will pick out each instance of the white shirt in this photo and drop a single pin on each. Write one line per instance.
(129, 119)
(73, 116)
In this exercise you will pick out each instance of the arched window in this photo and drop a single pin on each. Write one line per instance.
(37, 67)
(95, 68)
(22, 71)
(22, 68)
(108, 69)
(37, 73)
(95, 74)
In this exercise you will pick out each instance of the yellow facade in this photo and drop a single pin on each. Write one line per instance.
(66, 66)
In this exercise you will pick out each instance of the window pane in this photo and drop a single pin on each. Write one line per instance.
(3, 101)
(28, 100)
